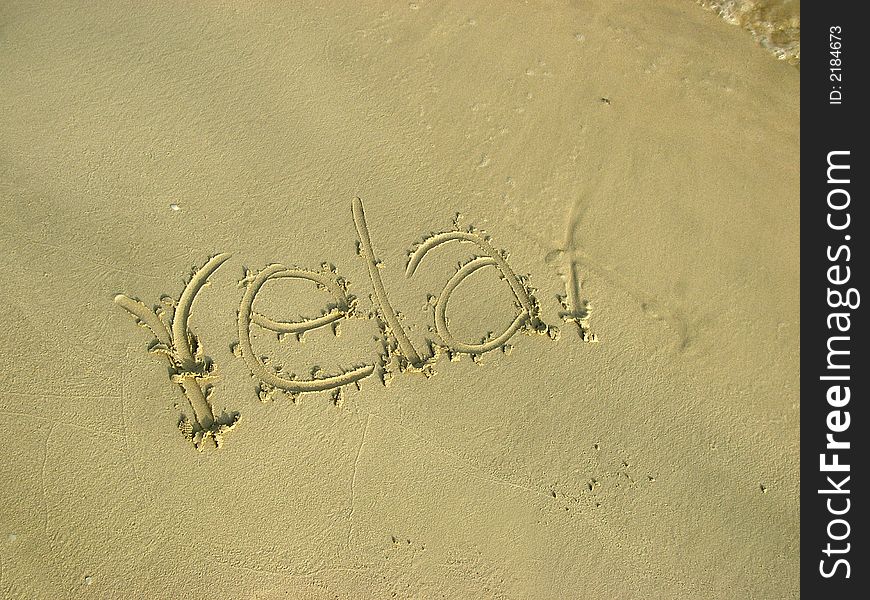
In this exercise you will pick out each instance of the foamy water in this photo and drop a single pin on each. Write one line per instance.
(775, 24)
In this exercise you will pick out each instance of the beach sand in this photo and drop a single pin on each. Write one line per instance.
(637, 436)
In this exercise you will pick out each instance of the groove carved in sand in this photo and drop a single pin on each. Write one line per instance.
(527, 318)
(343, 307)
(190, 369)
(576, 310)
(393, 326)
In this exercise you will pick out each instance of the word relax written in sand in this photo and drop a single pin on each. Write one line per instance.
(194, 372)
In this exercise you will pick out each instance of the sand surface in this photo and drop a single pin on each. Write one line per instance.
(637, 436)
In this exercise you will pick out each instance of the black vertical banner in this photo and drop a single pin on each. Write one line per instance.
(834, 367)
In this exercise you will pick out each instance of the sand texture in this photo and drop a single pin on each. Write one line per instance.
(409, 300)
